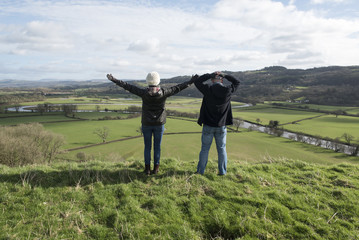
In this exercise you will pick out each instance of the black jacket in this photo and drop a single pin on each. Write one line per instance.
(216, 110)
(153, 106)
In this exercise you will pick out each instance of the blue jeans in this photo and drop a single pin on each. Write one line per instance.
(157, 132)
(219, 134)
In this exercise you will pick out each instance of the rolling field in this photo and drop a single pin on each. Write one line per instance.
(266, 113)
(349, 110)
(275, 188)
(328, 126)
(249, 148)
(29, 119)
(252, 147)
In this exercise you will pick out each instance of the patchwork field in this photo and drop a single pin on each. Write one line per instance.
(275, 188)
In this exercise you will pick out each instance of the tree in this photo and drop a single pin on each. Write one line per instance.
(237, 123)
(273, 124)
(40, 108)
(69, 109)
(102, 133)
(348, 138)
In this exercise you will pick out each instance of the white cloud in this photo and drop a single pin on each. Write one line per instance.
(325, 1)
(86, 39)
(149, 45)
(37, 36)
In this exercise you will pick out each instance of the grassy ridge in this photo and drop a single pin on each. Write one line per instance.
(264, 196)
(114, 200)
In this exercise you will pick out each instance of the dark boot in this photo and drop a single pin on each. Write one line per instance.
(155, 168)
(147, 170)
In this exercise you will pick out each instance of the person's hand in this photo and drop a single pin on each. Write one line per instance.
(217, 74)
(193, 79)
(220, 74)
(111, 78)
(213, 75)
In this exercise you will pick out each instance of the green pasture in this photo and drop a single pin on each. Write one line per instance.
(99, 115)
(246, 146)
(184, 104)
(250, 147)
(19, 118)
(84, 100)
(31, 117)
(328, 126)
(80, 133)
(330, 108)
(265, 114)
(316, 107)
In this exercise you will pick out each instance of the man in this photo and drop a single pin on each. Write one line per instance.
(215, 114)
(153, 113)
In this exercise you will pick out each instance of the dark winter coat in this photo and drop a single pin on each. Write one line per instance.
(153, 104)
(216, 110)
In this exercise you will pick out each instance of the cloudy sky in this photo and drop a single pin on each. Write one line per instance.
(85, 39)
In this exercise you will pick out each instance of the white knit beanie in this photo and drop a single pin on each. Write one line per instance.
(153, 78)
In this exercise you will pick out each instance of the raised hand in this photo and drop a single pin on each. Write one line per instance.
(193, 79)
(111, 78)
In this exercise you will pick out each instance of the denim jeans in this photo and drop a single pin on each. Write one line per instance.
(157, 132)
(219, 134)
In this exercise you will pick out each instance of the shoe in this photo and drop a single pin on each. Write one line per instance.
(147, 170)
(155, 168)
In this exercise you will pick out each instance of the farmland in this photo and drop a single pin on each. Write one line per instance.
(275, 188)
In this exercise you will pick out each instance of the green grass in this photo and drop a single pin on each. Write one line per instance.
(80, 133)
(352, 110)
(275, 188)
(265, 114)
(328, 126)
(99, 115)
(251, 147)
(282, 199)
(27, 118)
(245, 145)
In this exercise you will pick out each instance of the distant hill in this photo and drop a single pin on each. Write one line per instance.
(10, 83)
(333, 85)
(325, 85)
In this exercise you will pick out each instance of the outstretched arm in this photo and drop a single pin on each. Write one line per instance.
(179, 87)
(131, 88)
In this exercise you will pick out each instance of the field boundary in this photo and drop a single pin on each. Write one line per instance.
(300, 120)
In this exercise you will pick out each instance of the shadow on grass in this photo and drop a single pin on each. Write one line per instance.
(84, 177)
(74, 178)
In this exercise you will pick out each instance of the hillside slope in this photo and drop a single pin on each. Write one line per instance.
(277, 199)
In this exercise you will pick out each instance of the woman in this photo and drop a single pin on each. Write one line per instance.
(153, 113)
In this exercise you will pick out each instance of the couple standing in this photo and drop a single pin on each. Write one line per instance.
(215, 114)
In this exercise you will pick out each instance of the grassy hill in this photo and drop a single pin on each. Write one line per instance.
(275, 188)
(276, 199)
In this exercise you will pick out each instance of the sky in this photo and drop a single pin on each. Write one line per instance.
(86, 39)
